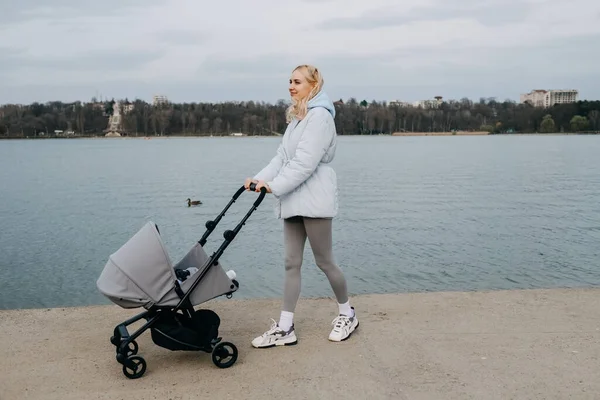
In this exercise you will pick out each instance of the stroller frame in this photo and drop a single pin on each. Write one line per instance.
(224, 354)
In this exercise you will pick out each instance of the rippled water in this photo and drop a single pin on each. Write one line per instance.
(416, 214)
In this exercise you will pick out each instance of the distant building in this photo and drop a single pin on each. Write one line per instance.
(398, 103)
(159, 99)
(435, 103)
(98, 106)
(127, 108)
(548, 98)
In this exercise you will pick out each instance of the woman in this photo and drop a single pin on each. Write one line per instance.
(305, 188)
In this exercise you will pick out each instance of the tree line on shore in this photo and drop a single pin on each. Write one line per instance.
(140, 118)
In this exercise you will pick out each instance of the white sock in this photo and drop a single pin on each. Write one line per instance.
(286, 320)
(346, 310)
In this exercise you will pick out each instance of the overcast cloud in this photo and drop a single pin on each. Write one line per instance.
(192, 50)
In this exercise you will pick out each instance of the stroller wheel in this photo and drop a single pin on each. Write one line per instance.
(134, 367)
(224, 355)
(132, 348)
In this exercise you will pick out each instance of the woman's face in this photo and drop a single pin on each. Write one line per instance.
(299, 87)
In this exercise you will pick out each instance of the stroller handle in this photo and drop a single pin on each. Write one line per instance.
(211, 225)
(253, 188)
(261, 196)
(263, 192)
(228, 235)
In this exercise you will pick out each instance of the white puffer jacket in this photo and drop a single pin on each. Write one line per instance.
(299, 176)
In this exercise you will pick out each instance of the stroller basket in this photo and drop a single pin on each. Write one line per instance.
(141, 274)
(177, 332)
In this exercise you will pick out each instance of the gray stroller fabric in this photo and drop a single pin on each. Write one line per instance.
(215, 283)
(140, 274)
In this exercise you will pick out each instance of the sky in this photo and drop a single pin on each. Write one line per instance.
(237, 50)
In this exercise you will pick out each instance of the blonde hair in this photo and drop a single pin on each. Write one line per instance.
(299, 108)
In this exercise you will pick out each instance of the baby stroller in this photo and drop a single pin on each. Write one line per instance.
(140, 274)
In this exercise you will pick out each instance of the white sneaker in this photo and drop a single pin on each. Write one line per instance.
(275, 337)
(343, 326)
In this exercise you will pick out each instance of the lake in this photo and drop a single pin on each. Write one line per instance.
(416, 213)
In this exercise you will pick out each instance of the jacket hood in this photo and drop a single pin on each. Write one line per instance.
(322, 100)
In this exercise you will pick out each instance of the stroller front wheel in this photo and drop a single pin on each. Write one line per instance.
(132, 348)
(224, 355)
(134, 367)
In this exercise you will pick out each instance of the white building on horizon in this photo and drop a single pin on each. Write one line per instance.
(548, 98)
(159, 99)
(435, 103)
(399, 103)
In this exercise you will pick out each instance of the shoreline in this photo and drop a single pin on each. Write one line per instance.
(395, 134)
(458, 133)
(534, 343)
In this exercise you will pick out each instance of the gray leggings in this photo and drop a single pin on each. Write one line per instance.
(318, 231)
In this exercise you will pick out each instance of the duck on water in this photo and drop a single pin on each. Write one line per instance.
(193, 202)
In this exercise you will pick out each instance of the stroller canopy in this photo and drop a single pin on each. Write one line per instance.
(140, 273)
